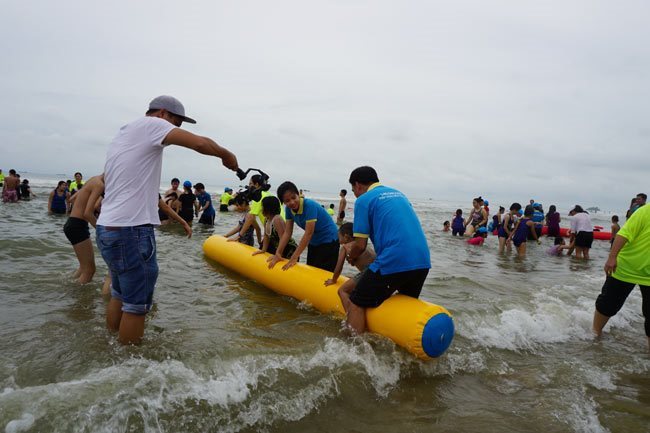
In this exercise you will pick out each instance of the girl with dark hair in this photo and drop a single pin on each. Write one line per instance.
(553, 222)
(188, 203)
(274, 228)
(478, 217)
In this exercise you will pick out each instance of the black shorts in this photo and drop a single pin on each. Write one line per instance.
(374, 288)
(342, 215)
(584, 239)
(207, 219)
(323, 256)
(455, 232)
(76, 230)
(187, 215)
(223, 208)
(613, 296)
(162, 216)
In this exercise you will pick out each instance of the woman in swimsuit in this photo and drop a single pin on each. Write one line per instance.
(477, 217)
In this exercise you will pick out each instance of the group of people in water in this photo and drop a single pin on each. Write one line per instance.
(125, 236)
(398, 261)
(13, 189)
(519, 225)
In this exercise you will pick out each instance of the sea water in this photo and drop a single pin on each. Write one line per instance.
(224, 354)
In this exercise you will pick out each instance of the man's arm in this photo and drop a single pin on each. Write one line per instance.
(176, 217)
(203, 145)
(358, 247)
(89, 211)
(610, 264)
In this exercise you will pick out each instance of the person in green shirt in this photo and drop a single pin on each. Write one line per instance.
(225, 199)
(628, 265)
(2, 178)
(77, 183)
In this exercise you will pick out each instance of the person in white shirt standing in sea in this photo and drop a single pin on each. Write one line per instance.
(125, 234)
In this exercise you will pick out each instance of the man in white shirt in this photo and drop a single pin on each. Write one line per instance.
(125, 233)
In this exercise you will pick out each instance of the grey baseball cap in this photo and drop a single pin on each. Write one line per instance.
(172, 105)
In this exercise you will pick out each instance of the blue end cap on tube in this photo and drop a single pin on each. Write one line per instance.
(437, 334)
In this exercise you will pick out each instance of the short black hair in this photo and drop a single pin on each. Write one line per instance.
(529, 210)
(77, 173)
(344, 191)
(199, 185)
(615, 218)
(346, 229)
(176, 180)
(459, 212)
(271, 206)
(642, 195)
(364, 175)
(331, 205)
(12, 171)
(286, 187)
(445, 223)
(240, 199)
(558, 240)
(515, 206)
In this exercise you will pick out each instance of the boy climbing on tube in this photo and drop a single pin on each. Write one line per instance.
(346, 239)
(320, 238)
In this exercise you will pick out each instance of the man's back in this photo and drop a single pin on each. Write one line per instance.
(387, 217)
(132, 173)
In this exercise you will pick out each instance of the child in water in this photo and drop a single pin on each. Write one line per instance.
(477, 239)
(615, 228)
(558, 245)
(505, 228)
(458, 223)
(346, 239)
(523, 228)
(446, 226)
(242, 205)
(274, 227)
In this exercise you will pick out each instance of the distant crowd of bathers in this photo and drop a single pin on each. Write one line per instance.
(13, 188)
(519, 225)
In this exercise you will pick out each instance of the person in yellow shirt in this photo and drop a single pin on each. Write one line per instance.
(225, 199)
(628, 265)
(77, 183)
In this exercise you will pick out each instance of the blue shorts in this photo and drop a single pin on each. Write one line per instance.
(130, 253)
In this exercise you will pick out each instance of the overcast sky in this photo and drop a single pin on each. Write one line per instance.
(447, 99)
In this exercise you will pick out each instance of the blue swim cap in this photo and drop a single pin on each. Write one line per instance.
(226, 189)
(487, 203)
(482, 230)
(536, 205)
(187, 184)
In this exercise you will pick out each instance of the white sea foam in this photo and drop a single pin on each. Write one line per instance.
(550, 319)
(581, 413)
(250, 391)
(19, 425)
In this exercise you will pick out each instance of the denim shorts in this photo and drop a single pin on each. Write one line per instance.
(130, 253)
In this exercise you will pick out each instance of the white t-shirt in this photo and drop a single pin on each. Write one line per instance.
(132, 173)
(581, 222)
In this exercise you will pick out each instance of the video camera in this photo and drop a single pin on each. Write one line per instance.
(252, 193)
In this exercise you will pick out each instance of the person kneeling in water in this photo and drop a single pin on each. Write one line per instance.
(385, 216)
(274, 227)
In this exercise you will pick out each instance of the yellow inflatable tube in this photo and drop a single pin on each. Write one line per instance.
(422, 328)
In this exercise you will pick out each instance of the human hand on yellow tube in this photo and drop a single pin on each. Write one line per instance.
(291, 263)
(273, 260)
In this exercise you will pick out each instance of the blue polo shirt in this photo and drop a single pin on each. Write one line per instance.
(325, 230)
(203, 198)
(386, 216)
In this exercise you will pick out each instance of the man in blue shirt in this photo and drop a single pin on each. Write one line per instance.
(205, 205)
(385, 216)
(321, 234)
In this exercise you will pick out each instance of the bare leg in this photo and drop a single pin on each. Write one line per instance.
(502, 244)
(521, 249)
(585, 253)
(356, 318)
(86, 257)
(600, 320)
(114, 314)
(344, 293)
(131, 328)
(106, 288)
